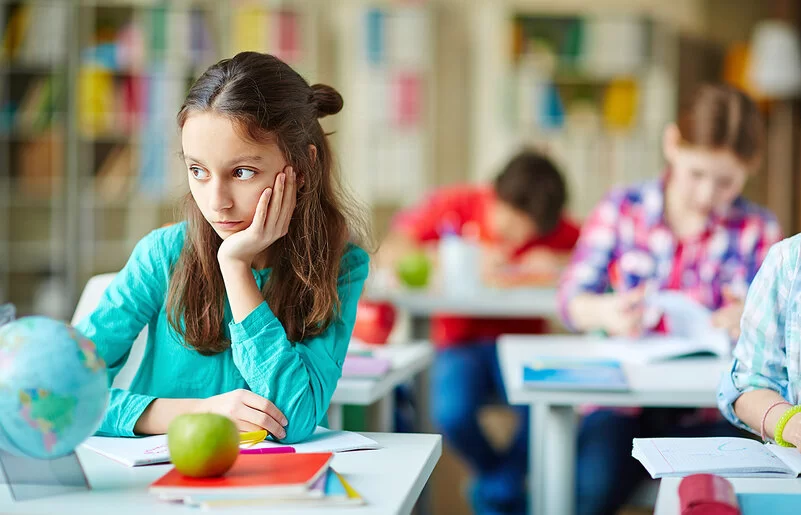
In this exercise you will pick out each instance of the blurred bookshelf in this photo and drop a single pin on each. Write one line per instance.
(593, 90)
(385, 64)
(89, 90)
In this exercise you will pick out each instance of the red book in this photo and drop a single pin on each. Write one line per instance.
(267, 475)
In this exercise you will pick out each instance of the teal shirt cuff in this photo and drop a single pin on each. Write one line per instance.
(123, 412)
(254, 324)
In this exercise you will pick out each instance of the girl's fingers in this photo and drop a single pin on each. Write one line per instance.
(288, 203)
(260, 216)
(262, 420)
(277, 202)
(262, 404)
(246, 427)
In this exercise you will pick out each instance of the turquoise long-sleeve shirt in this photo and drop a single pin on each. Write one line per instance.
(299, 378)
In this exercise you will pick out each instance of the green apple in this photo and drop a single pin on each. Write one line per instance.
(413, 269)
(203, 444)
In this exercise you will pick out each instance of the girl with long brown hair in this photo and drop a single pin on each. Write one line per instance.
(251, 301)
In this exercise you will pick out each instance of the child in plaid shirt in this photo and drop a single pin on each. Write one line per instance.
(689, 230)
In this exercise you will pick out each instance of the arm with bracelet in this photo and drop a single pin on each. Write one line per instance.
(758, 394)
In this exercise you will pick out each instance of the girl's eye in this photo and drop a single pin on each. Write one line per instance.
(244, 173)
(198, 173)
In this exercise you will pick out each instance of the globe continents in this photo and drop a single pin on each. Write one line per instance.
(53, 388)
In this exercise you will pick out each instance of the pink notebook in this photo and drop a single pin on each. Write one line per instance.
(365, 366)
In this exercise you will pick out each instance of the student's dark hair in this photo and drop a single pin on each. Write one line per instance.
(531, 183)
(269, 102)
(722, 117)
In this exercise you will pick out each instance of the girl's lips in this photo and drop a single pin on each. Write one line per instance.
(227, 224)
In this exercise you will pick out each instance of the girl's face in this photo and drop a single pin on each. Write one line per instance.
(703, 180)
(227, 172)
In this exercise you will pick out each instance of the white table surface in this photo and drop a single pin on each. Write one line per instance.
(667, 502)
(485, 302)
(408, 360)
(389, 479)
(688, 382)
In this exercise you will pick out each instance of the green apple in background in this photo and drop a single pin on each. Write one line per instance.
(203, 444)
(413, 269)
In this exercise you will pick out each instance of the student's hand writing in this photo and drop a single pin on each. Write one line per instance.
(622, 313)
(270, 221)
(249, 411)
(728, 317)
(543, 261)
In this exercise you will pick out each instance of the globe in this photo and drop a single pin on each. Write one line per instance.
(53, 388)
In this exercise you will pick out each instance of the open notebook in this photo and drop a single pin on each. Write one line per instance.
(150, 450)
(728, 457)
(689, 325)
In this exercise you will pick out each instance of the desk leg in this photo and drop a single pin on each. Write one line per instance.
(559, 459)
(536, 466)
(386, 413)
(335, 416)
(420, 327)
(425, 504)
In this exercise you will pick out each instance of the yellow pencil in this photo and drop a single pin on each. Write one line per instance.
(253, 437)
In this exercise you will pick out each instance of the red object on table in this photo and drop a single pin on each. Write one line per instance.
(707, 494)
(374, 321)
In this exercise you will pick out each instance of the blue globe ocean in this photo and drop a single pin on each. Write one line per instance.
(53, 388)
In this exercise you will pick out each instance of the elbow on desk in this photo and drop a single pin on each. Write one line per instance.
(301, 423)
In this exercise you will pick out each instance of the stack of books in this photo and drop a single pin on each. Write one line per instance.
(263, 480)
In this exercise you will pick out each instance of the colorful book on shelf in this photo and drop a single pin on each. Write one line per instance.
(568, 373)
(251, 29)
(264, 475)
(15, 30)
(114, 178)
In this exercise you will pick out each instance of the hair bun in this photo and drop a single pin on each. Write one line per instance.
(326, 100)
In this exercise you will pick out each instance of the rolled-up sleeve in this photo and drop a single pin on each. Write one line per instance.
(760, 356)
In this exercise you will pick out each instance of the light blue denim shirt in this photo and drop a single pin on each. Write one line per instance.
(768, 353)
(299, 378)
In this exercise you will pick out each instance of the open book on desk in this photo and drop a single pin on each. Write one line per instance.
(150, 450)
(728, 457)
(690, 332)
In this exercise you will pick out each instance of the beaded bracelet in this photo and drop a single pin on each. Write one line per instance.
(777, 433)
(765, 417)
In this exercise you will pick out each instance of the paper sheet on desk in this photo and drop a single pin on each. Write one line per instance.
(691, 329)
(150, 450)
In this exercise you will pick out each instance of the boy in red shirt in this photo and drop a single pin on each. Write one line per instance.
(520, 218)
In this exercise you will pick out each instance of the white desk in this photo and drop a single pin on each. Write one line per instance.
(667, 502)
(390, 480)
(690, 382)
(485, 303)
(409, 361)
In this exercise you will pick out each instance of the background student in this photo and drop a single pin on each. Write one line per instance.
(688, 230)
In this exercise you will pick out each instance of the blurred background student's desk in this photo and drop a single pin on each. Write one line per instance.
(409, 361)
(485, 302)
(686, 382)
(667, 502)
(420, 305)
(389, 479)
